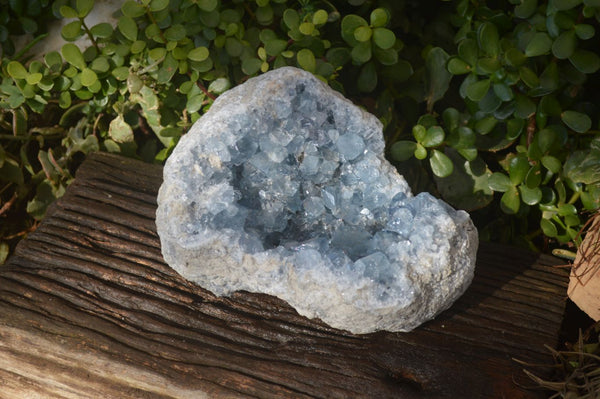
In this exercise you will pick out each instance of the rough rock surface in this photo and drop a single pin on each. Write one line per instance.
(282, 188)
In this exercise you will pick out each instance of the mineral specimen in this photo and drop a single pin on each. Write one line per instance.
(282, 188)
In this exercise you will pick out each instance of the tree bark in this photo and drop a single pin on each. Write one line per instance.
(89, 309)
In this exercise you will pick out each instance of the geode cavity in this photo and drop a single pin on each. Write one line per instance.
(283, 188)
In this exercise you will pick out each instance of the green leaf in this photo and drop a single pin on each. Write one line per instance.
(175, 33)
(514, 127)
(503, 91)
(219, 85)
(128, 28)
(529, 77)
(102, 30)
(545, 138)
(275, 46)
(552, 164)
(251, 65)
(264, 15)
(121, 73)
(291, 18)
(540, 44)
(584, 31)
(199, 54)
(362, 33)
(158, 5)
(88, 77)
(438, 77)
(120, 131)
(550, 106)
(53, 59)
(64, 100)
(195, 103)
(68, 12)
(477, 90)
(12, 172)
(361, 53)
(463, 138)
(456, 66)
(307, 28)
(585, 61)
(534, 176)
(420, 152)
(73, 55)
(207, 5)
(511, 201)
(524, 107)
(379, 17)
(525, 9)
(367, 79)
(45, 195)
(71, 31)
(468, 51)
(563, 5)
(485, 125)
(499, 182)
(530, 196)
(514, 57)
(403, 150)
(167, 70)
(488, 39)
(390, 57)
(441, 165)
(132, 9)
(16, 70)
(517, 169)
(306, 60)
(419, 132)
(349, 24)
(434, 136)
(577, 121)
(548, 228)
(320, 17)
(384, 38)
(84, 7)
(564, 45)
(567, 209)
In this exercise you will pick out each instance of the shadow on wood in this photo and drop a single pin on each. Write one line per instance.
(89, 309)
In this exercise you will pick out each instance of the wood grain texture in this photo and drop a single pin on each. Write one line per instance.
(89, 309)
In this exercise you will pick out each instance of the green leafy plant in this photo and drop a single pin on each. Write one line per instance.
(18, 18)
(526, 72)
(492, 108)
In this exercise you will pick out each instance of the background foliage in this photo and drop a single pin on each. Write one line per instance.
(490, 105)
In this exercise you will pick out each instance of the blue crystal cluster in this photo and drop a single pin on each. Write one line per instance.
(282, 188)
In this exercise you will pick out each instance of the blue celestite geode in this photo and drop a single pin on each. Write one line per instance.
(283, 188)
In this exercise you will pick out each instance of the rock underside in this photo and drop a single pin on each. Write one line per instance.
(282, 188)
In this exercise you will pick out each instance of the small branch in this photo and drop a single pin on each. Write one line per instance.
(149, 67)
(96, 123)
(153, 20)
(8, 204)
(29, 46)
(24, 232)
(205, 91)
(531, 126)
(89, 33)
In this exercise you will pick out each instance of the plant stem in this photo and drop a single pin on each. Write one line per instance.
(89, 33)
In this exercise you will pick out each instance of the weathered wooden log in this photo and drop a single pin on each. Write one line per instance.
(89, 309)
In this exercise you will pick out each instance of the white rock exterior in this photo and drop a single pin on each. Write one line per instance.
(283, 188)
